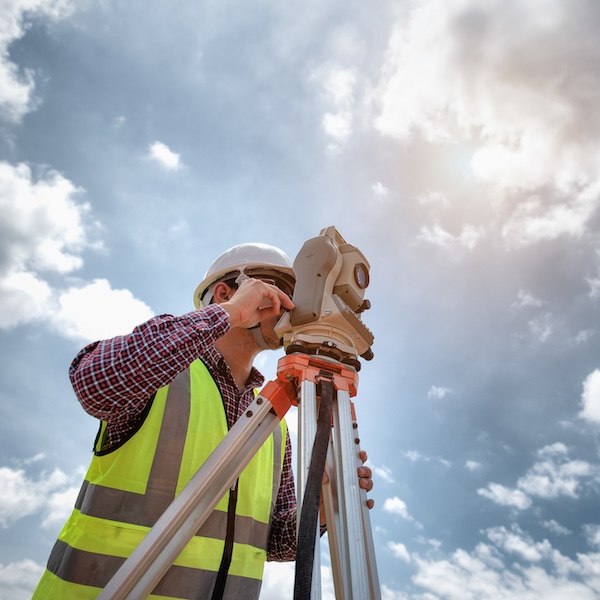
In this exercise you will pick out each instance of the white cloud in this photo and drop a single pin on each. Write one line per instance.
(52, 495)
(592, 533)
(59, 506)
(557, 449)
(17, 87)
(431, 542)
(542, 327)
(414, 456)
(582, 336)
(23, 298)
(456, 71)
(91, 312)
(278, 581)
(555, 527)
(553, 476)
(44, 229)
(164, 156)
(380, 191)
(43, 224)
(453, 65)
(437, 236)
(19, 579)
(512, 566)
(516, 542)
(438, 392)
(34, 459)
(96, 311)
(336, 85)
(472, 465)
(594, 283)
(384, 473)
(399, 551)
(525, 300)
(390, 594)
(437, 198)
(533, 221)
(398, 507)
(505, 496)
(590, 398)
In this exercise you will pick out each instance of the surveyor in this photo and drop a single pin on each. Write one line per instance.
(165, 395)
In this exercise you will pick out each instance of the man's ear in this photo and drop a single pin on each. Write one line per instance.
(222, 292)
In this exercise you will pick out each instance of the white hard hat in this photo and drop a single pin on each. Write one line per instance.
(254, 260)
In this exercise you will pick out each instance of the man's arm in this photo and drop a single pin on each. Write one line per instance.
(282, 537)
(113, 379)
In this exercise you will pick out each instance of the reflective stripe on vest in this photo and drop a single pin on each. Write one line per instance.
(125, 491)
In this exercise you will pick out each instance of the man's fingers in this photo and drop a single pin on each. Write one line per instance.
(365, 472)
(365, 475)
(366, 484)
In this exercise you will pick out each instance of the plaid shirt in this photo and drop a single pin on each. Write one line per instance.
(114, 379)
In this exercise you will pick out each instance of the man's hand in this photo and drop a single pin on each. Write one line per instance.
(254, 301)
(365, 475)
(365, 481)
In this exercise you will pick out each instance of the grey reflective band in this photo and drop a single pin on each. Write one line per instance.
(104, 503)
(87, 568)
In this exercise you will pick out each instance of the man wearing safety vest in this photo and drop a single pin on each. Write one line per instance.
(166, 394)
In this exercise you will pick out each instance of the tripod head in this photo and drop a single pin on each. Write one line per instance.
(331, 279)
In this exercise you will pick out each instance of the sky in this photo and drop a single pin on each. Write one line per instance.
(456, 143)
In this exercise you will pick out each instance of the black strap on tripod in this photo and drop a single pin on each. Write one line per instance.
(307, 530)
(219, 588)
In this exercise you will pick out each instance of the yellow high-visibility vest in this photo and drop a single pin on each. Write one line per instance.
(128, 488)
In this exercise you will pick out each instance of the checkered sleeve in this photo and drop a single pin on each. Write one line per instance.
(113, 379)
(282, 538)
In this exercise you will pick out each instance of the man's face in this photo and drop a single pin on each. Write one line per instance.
(267, 328)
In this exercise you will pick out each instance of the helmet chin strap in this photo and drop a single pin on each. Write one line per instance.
(256, 332)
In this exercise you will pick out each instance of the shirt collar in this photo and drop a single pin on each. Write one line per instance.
(213, 359)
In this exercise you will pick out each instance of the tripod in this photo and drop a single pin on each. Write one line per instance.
(299, 376)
